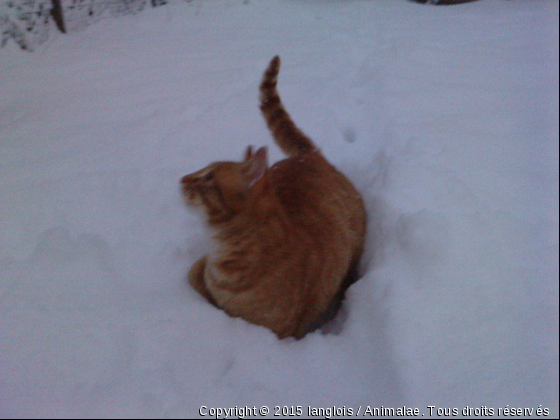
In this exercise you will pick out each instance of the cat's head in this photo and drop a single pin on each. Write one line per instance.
(222, 189)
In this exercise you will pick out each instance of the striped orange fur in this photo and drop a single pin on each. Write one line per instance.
(286, 238)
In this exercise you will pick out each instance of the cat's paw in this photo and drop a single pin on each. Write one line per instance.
(196, 279)
(196, 273)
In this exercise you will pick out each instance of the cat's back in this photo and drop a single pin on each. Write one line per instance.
(315, 194)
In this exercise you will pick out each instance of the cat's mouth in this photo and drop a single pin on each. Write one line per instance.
(190, 190)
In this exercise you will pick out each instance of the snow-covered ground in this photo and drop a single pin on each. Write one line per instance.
(446, 118)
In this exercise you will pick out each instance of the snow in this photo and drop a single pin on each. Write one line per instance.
(446, 119)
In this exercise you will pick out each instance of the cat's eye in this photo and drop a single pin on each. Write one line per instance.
(208, 177)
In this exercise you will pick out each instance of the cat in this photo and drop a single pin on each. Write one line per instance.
(287, 238)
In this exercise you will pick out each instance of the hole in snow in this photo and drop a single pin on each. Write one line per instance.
(349, 134)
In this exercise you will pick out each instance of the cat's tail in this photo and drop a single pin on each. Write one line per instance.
(286, 134)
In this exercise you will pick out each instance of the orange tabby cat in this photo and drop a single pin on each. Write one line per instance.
(286, 238)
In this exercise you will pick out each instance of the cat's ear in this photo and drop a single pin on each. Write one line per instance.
(257, 166)
(248, 153)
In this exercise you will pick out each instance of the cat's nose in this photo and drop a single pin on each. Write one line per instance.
(187, 179)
